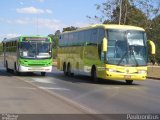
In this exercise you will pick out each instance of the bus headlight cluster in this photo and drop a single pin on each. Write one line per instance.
(142, 71)
(111, 70)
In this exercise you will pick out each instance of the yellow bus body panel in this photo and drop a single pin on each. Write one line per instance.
(113, 72)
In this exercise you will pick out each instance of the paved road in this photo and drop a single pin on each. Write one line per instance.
(57, 94)
(109, 96)
(18, 96)
(29, 91)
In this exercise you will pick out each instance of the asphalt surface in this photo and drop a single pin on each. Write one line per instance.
(109, 97)
(55, 92)
(18, 96)
(58, 94)
(22, 100)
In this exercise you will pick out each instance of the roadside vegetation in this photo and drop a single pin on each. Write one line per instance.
(142, 13)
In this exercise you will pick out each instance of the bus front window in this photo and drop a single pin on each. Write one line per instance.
(35, 50)
(27, 50)
(126, 47)
(43, 50)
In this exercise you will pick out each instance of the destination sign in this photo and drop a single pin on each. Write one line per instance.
(35, 39)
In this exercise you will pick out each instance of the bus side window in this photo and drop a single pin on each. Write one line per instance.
(69, 42)
(94, 36)
(71, 38)
(81, 37)
(75, 38)
(61, 41)
(65, 40)
(88, 36)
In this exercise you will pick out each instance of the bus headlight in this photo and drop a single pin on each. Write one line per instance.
(111, 70)
(142, 71)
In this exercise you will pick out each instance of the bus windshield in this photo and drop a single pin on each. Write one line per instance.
(127, 47)
(38, 50)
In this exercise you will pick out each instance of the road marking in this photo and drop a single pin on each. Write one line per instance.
(29, 88)
(43, 80)
(52, 88)
(69, 101)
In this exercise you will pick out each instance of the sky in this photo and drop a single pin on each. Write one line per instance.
(43, 17)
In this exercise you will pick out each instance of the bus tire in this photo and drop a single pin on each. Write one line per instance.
(43, 73)
(129, 82)
(15, 70)
(94, 75)
(64, 69)
(69, 70)
(7, 69)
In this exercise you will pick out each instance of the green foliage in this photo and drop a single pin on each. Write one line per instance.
(55, 39)
(130, 15)
(70, 28)
(142, 13)
(132, 12)
(154, 34)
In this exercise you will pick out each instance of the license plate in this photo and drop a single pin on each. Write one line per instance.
(127, 76)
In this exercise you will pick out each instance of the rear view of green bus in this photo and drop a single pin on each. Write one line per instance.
(112, 52)
(28, 54)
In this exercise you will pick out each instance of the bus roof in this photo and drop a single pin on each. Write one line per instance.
(109, 26)
(125, 27)
(18, 38)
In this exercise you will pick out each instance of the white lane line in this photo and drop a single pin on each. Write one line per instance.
(29, 88)
(70, 101)
(43, 80)
(52, 88)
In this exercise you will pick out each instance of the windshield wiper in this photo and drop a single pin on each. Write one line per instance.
(135, 60)
(122, 58)
(125, 56)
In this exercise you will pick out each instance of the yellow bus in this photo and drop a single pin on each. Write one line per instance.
(112, 52)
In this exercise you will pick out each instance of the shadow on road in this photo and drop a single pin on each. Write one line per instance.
(3, 72)
(84, 79)
(60, 76)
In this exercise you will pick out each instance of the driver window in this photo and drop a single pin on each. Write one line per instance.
(120, 49)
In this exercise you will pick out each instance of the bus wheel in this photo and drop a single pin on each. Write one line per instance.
(15, 70)
(94, 75)
(69, 70)
(43, 73)
(7, 69)
(64, 69)
(129, 82)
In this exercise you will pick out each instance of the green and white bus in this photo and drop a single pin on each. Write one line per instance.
(112, 52)
(28, 54)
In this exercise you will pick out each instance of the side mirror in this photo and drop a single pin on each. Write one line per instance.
(152, 47)
(104, 45)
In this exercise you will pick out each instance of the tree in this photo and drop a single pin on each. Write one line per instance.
(55, 39)
(142, 13)
(132, 12)
(153, 34)
(105, 11)
(70, 28)
(130, 15)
